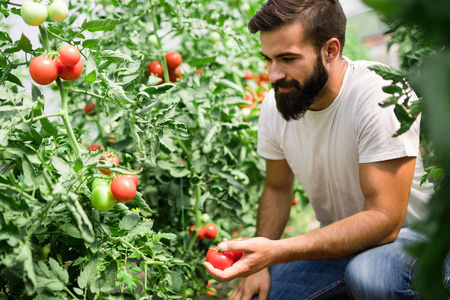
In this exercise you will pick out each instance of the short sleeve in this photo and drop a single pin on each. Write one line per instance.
(375, 127)
(269, 127)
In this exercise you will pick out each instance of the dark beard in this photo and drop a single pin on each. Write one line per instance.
(294, 103)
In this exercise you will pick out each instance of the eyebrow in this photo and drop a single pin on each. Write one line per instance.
(281, 54)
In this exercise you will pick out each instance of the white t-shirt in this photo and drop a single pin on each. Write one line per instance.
(324, 148)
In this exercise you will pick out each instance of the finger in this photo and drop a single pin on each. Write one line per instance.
(232, 246)
(228, 274)
(236, 294)
(263, 293)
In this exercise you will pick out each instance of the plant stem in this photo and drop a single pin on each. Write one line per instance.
(44, 41)
(45, 116)
(65, 116)
(198, 217)
(10, 3)
(87, 93)
(155, 31)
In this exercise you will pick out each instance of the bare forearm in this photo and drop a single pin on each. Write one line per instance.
(273, 213)
(349, 236)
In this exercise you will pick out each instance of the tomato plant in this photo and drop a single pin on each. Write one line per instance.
(102, 199)
(33, 13)
(219, 259)
(69, 73)
(123, 189)
(58, 10)
(43, 70)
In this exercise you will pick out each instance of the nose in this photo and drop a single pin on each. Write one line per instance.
(275, 72)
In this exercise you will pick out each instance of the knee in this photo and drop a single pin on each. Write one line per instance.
(369, 278)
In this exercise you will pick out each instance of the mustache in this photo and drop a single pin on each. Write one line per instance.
(284, 83)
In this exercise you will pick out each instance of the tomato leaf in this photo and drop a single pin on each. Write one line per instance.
(99, 25)
(141, 203)
(91, 69)
(88, 274)
(116, 91)
(129, 221)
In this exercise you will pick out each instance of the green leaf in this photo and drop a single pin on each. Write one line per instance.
(159, 89)
(142, 203)
(91, 43)
(115, 90)
(88, 274)
(230, 84)
(71, 230)
(25, 44)
(115, 56)
(99, 25)
(129, 221)
(91, 69)
(135, 131)
(57, 270)
(202, 200)
(29, 175)
(106, 282)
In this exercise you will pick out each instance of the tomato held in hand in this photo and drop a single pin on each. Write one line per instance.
(33, 13)
(173, 60)
(123, 189)
(155, 68)
(112, 158)
(238, 254)
(43, 70)
(211, 231)
(200, 234)
(58, 10)
(219, 259)
(69, 55)
(69, 73)
(101, 198)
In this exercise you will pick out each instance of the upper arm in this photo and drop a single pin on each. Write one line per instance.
(279, 175)
(386, 187)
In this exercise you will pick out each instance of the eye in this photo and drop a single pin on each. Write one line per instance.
(288, 59)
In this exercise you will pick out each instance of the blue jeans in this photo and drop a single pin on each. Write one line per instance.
(383, 272)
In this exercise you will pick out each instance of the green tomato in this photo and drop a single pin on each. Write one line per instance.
(153, 40)
(215, 36)
(101, 198)
(33, 13)
(99, 181)
(58, 10)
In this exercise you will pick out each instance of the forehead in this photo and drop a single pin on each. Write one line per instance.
(290, 38)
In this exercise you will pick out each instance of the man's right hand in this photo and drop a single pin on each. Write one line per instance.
(258, 283)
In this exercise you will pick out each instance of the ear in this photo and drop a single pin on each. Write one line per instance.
(331, 49)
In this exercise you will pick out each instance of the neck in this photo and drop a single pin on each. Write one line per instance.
(336, 72)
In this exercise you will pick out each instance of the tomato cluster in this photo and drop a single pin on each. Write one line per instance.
(35, 13)
(68, 66)
(173, 60)
(106, 192)
(208, 231)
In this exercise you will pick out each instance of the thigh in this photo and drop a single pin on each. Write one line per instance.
(383, 272)
(320, 279)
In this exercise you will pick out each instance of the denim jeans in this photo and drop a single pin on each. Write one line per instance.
(383, 272)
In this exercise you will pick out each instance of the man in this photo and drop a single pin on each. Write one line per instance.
(322, 123)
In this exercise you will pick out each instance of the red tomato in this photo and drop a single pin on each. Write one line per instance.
(89, 109)
(294, 202)
(112, 158)
(198, 72)
(200, 234)
(210, 291)
(176, 74)
(94, 147)
(133, 177)
(43, 70)
(264, 76)
(173, 60)
(69, 55)
(211, 231)
(123, 189)
(250, 99)
(219, 259)
(69, 73)
(238, 254)
(248, 75)
(156, 68)
(262, 95)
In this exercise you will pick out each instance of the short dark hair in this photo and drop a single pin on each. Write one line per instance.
(322, 19)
